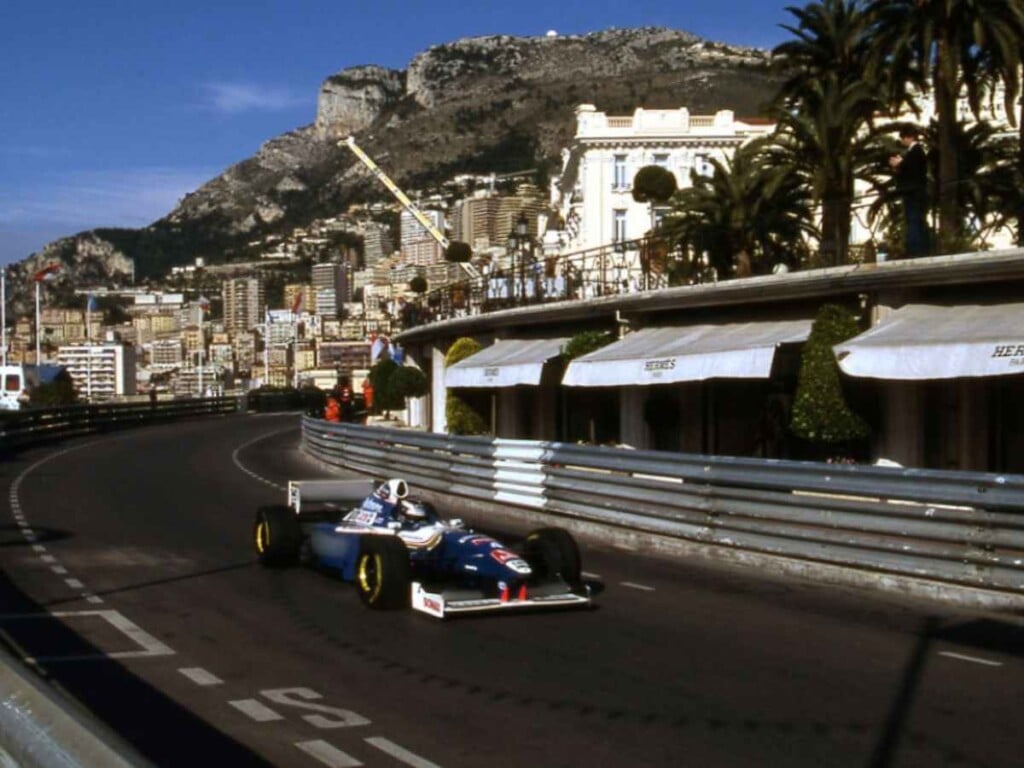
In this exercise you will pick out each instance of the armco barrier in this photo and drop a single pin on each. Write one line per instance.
(954, 528)
(33, 426)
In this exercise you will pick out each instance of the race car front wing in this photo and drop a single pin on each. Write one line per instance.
(443, 603)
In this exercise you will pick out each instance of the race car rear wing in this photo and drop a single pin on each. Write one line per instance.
(341, 493)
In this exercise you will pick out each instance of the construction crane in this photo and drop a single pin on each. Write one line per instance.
(408, 204)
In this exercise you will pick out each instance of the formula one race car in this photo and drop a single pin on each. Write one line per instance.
(399, 552)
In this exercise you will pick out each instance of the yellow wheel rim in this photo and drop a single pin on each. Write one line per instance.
(368, 575)
(262, 537)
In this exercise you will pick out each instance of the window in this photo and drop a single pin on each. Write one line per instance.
(12, 383)
(618, 225)
(661, 160)
(620, 181)
(702, 165)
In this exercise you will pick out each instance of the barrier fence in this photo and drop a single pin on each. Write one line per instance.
(33, 426)
(958, 528)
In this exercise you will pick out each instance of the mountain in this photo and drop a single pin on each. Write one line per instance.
(486, 104)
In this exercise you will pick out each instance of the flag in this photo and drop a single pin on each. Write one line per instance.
(91, 304)
(379, 346)
(204, 304)
(297, 304)
(46, 273)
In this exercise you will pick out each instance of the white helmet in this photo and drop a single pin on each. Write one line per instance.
(396, 489)
(416, 510)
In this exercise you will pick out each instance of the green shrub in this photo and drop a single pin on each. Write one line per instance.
(820, 412)
(653, 184)
(461, 417)
(585, 342)
(458, 251)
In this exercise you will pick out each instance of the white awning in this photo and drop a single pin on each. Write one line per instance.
(691, 353)
(923, 341)
(504, 364)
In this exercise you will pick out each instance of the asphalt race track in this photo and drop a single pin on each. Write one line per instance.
(127, 576)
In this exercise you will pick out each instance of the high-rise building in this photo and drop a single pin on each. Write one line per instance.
(243, 303)
(331, 287)
(376, 244)
(418, 245)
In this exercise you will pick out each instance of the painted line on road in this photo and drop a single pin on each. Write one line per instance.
(328, 754)
(633, 585)
(972, 659)
(400, 753)
(200, 676)
(255, 710)
(60, 570)
(588, 575)
(238, 462)
(74, 583)
(48, 559)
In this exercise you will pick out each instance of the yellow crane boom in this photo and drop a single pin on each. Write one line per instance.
(408, 204)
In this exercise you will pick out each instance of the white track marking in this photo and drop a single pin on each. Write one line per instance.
(238, 462)
(74, 583)
(973, 659)
(48, 559)
(95, 600)
(256, 710)
(60, 570)
(200, 676)
(150, 645)
(38, 548)
(327, 754)
(400, 753)
(588, 575)
(641, 587)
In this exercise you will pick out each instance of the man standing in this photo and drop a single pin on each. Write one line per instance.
(910, 173)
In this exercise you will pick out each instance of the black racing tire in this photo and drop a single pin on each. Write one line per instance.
(277, 536)
(553, 552)
(383, 572)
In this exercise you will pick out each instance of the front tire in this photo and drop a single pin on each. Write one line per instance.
(277, 536)
(552, 553)
(383, 572)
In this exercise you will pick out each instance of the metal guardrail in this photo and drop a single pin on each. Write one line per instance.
(959, 528)
(34, 426)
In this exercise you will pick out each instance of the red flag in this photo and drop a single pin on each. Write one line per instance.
(46, 273)
(297, 304)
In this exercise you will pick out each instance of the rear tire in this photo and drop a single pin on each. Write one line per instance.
(383, 572)
(552, 552)
(277, 536)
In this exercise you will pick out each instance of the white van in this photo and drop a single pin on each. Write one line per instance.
(18, 380)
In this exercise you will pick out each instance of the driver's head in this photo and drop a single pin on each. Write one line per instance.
(415, 510)
(394, 490)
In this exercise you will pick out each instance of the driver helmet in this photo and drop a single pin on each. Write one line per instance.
(394, 490)
(418, 511)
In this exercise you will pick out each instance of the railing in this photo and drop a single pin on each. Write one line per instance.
(20, 429)
(630, 266)
(956, 528)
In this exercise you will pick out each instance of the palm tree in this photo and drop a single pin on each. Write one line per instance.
(745, 216)
(955, 46)
(822, 109)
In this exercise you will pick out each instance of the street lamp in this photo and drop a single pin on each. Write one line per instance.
(520, 246)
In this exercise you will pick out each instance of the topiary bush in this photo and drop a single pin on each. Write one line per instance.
(585, 342)
(461, 418)
(653, 184)
(458, 251)
(820, 412)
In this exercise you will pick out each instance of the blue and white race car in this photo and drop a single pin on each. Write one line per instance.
(399, 552)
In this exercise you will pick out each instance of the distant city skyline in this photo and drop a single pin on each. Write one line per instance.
(112, 112)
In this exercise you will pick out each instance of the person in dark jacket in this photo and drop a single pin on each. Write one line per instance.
(910, 174)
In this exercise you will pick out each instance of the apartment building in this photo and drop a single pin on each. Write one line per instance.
(331, 288)
(243, 303)
(100, 371)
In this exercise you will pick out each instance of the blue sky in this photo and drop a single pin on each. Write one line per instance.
(111, 110)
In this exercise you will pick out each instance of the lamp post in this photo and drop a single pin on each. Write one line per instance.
(520, 246)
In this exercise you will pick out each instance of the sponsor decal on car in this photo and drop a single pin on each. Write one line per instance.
(512, 561)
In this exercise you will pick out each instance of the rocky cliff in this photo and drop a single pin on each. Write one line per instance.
(481, 104)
